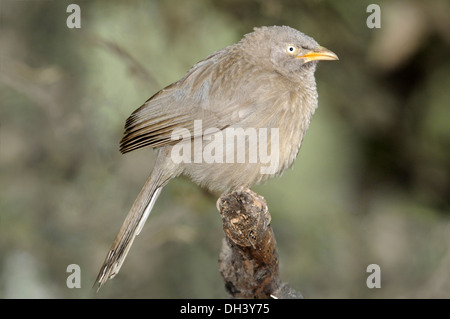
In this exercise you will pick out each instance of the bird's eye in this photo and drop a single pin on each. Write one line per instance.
(291, 49)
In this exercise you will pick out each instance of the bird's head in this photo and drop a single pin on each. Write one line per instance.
(286, 50)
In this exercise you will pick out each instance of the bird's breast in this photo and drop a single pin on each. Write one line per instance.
(294, 112)
(262, 142)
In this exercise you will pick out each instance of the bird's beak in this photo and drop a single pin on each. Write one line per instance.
(320, 53)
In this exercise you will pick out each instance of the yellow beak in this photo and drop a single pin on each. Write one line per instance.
(320, 53)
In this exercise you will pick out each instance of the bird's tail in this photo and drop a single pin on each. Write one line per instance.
(131, 227)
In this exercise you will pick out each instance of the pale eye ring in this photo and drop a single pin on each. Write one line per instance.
(291, 49)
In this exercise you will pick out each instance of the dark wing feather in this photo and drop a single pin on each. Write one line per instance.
(208, 92)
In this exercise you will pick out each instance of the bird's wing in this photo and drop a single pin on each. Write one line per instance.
(211, 92)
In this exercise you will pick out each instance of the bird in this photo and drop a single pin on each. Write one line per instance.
(261, 91)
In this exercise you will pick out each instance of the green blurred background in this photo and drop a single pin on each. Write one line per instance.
(371, 183)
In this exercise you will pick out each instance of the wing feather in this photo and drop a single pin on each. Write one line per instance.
(207, 92)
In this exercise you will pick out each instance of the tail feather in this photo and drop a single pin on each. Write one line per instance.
(131, 227)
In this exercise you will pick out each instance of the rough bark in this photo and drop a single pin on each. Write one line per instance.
(248, 260)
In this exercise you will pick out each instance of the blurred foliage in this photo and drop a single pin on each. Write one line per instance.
(371, 183)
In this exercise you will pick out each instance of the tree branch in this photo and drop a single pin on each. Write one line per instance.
(248, 261)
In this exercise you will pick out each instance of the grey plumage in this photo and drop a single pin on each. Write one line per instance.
(265, 81)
